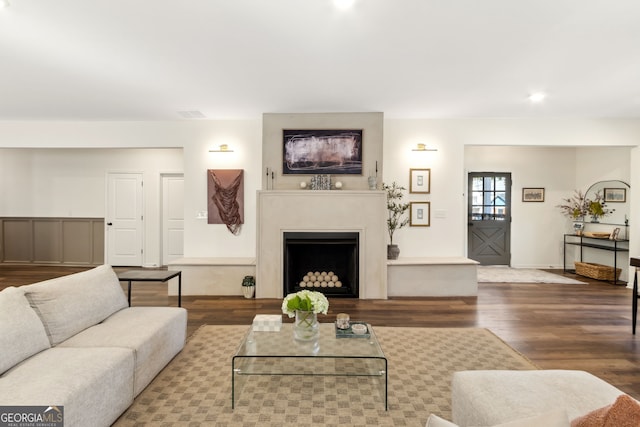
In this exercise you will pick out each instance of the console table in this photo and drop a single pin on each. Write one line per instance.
(614, 246)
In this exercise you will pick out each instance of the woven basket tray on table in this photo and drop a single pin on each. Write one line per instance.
(597, 271)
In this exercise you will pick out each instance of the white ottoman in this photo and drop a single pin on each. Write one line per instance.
(486, 398)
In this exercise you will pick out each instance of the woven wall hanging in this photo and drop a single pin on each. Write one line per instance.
(225, 198)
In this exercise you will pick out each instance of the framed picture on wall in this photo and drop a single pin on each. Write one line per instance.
(533, 194)
(316, 152)
(420, 181)
(615, 195)
(419, 214)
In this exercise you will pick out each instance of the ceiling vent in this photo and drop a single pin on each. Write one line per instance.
(192, 114)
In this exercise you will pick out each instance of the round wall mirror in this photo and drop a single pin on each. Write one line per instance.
(615, 195)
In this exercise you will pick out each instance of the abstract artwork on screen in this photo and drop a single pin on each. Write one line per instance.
(315, 152)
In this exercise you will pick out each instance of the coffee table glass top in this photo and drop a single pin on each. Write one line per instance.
(282, 343)
(278, 353)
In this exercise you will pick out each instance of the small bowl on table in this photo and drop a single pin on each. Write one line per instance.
(359, 328)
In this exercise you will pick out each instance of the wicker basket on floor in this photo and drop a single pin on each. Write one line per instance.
(597, 271)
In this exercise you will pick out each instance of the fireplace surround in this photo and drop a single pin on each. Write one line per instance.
(322, 211)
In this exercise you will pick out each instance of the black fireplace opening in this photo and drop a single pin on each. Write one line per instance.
(307, 255)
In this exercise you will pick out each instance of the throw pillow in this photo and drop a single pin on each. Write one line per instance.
(624, 412)
(556, 418)
(22, 333)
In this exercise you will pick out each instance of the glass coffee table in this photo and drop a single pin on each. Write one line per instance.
(277, 353)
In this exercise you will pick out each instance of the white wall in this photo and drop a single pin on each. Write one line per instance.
(244, 138)
(595, 164)
(445, 237)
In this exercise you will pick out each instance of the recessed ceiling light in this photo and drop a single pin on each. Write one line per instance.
(537, 97)
(4, 3)
(343, 4)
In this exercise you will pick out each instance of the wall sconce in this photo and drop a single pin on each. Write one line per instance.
(422, 147)
(224, 148)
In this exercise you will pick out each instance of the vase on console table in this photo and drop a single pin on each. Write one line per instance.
(578, 227)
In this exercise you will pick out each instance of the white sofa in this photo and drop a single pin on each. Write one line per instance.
(490, 398)
(74, 342)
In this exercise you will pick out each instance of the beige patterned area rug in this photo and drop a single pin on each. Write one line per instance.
(503, 274)
(195, 388)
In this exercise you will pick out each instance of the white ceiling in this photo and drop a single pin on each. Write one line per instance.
(149, 60)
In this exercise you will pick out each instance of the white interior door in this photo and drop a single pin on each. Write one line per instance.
(172, 218)
(124, 222)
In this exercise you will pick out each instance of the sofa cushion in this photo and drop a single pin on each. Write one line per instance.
(21, 331)
(69, 304)
(555, 418)
(436, 421)
(155, 334)
(624, 412)
(493, 397)
(94, 385)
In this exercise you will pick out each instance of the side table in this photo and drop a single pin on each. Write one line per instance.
(151, 276)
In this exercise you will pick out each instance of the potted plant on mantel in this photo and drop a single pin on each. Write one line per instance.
(396, 219)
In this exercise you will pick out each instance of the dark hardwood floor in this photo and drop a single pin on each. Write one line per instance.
(586, 327)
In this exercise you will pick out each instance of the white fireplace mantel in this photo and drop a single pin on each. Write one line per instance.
(363, 212)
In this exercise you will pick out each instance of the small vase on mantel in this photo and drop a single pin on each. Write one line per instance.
(373, 182)
(393, 251)
(306, 326)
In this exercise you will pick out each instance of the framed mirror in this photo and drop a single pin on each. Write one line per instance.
(616, 196)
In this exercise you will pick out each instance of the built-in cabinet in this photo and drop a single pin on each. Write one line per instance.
(65, 241)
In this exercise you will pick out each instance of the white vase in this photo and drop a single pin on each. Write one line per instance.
(372, 182)
(306, 326)
(248, 291)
